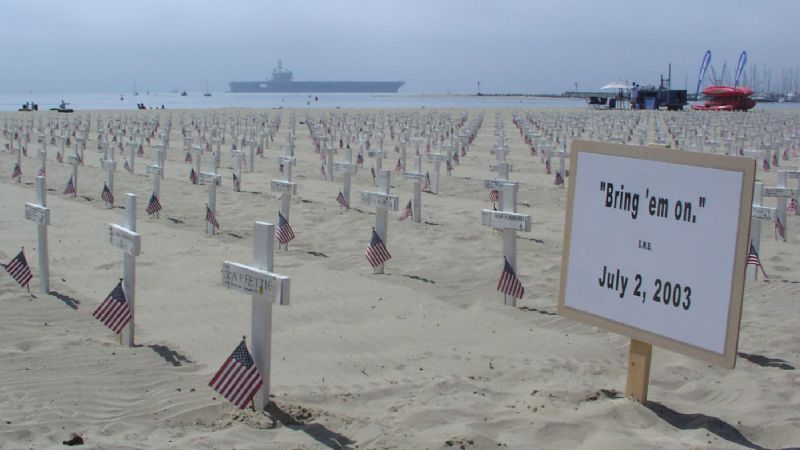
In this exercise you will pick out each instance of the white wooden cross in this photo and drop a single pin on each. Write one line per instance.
(266, 288)
(72, 160)
(197, 155)
(348, 169)
(238, 155)
(781, 193)
(212, 180)
(329, 150)
(285, 188)
(251, 143)
(437, 159)
(128, 240)
(561, 155)
(416, 177)
(131, 155)
(110, 167)
(759, 212)
(39, 213)
(378, 154)
(509, 222)
(161, 158)
(383, 202)
(154, 171)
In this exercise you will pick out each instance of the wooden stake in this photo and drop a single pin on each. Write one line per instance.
(638, 371)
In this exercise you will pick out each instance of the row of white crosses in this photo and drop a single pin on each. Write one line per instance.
(285, 188)
(506, 219)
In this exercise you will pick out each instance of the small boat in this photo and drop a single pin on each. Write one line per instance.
(207, 94)
(184, 94)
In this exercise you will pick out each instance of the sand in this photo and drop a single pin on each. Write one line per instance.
(425, 356)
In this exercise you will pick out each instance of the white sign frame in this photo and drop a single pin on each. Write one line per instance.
(676, 161)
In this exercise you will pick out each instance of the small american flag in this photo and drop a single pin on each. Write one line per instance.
(372, 169)
(107, 195)
(377, 253)
(70, 189)
(42, 172)
(455, 157)
(785, 155)
(775, 159)
(533, 150)
(426, 185)
(559, 179)
(17, 172)
(153, 206)
(114, 312)
(407, 212)
(25, 150)
(494, 195)
(237, 185)
(193, 176)
(59, 157)
(449, 167)
(765, 165)
(322, 169)
(509, 283)
(127, 166)
(752, 258)
(19, 270)
(398, 167)
(238, 379)
(140, 150)
(280, 168)
(547, 168)
(259, 150)
(211, 217)
(780, 230)
(791, 208)
(463, 151)
(342, 201)
(188, 158)
(284, 232)
(360, 160)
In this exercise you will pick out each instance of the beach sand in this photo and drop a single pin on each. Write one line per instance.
(425, 356)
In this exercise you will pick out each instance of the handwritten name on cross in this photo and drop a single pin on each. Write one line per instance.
(266, 288)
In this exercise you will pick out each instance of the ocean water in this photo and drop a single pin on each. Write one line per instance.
(196, 100)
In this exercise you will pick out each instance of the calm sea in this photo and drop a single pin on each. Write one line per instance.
(196, 100)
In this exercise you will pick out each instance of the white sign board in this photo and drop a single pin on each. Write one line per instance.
(153, 169)
(380, 200)
(414, 176)
(283, 186)
(37, 214)
(125, 239)
(655, 246)
(501, 220)
(251, 280)
(763, 212)
(781, 192)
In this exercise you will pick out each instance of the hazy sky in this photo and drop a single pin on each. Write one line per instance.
(68, 46)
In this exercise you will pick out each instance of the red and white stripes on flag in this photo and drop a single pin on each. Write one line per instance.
(426, 185)
(407, 212)
(140, 151)
(70, 188)
(547, 168)
(377, 253)
(791, 208)
(342, 201)
(211, 217)
(59, 157)
(42, 172)
(238, 379)
(114, 312)
(153, 206)
(188, 158)
(559, 179)
(237, 185)
(17, 172)
(18, 269)
(107, 195)
(509, 284)
(780, 230)
(398, 167)
(494, 195)
(193, 176)
(284, 232)
(127, 166)
(752, 258)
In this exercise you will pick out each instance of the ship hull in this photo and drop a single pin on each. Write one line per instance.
(316, 86)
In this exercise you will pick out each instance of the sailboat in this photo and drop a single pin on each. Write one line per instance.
(207, 94)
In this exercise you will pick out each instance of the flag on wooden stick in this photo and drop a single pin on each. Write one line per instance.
(547, 168)
(59, 157)
(284, 232)
(752, 258)
(509, 283)
(426, 184)
(127, 166)
(377, 253)
(114, 312)
(765, 165)
(153, 206)
(791, 208)
(188, 158)
(19, 270)
(70, 188)
(140, 151)
(17, 172)
(342, 201)
(780, 231)
(559, 179)
(107, 195)
(193, 176)
(494, 195)
(42, 172)
(238, 380)
(407, 212)
(211, 217)
(237, 185)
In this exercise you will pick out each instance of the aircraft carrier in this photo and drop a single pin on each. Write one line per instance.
(282, 82)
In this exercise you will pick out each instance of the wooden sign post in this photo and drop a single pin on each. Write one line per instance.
(348, 169)
(266, 288)
(416, 177)
(128, 240)
(644, 227)
(39, 214)
(508, 221)
(382, 202)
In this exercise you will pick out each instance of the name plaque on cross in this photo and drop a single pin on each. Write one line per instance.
(38, 214)
(781, 192)
(435, 157)
(498, 184)
(763, 212)
(494, 167)
(251, 280)
(413, 176)
(283, 186)
(108, 164)
(125, 239)
(209, 178)
(380, 200)
(505, 220)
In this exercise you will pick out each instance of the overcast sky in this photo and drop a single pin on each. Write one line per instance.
(71, 46)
